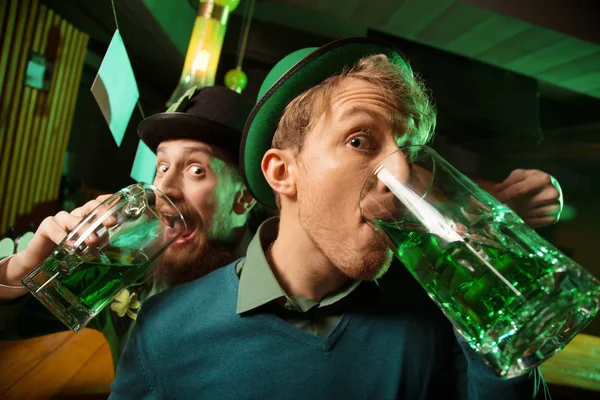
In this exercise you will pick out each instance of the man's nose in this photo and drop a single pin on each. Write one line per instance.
(379, 196)
(396, 166)
(169, 184)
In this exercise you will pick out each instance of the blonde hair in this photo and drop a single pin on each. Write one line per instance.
(413, 104)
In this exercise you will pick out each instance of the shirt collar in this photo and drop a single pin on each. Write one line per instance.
(258, 285)
(240, 251)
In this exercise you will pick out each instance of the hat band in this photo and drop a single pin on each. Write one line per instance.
(210, 9)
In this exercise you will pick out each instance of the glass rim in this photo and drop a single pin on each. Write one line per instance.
(119, 194)
(380, 165)
(401, 148)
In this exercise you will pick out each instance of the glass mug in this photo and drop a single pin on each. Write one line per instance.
(107, 251)
(514, 297)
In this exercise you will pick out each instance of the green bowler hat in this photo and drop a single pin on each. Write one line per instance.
(294, 74)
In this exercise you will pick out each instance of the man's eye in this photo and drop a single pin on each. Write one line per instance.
(361, 143)
(163, 168)
(197, 170)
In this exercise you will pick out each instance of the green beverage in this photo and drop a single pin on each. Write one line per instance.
(96, 283)
(107, 251)
(90, 286)
(495, 290)
(510, 294)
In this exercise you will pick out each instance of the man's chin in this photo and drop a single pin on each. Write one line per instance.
(375, 263)
(176, 256)
(385, 264)
(189, 262)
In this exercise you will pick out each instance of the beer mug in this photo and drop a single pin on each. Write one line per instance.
(514, 297)
(107, 251)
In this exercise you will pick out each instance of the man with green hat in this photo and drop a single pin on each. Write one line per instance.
(197, 144)
(299, 316)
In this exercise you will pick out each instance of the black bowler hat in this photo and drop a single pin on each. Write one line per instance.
(214, 115)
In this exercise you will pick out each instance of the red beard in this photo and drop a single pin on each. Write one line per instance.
(193, 260)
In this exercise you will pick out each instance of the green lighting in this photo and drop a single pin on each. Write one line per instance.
(568, 213)
(24, 241)
(144, 164)
(7, 247)
(115, 89)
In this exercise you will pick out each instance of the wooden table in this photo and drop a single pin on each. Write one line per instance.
(58, 366)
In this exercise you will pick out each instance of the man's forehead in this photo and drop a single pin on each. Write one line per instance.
(354, 92)
(187, 147)
(184, 146)
(356, 98)
(366, 101)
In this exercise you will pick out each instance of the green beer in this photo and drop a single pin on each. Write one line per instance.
(96, 283)
(493, 291)
(107, 251)
(509, 293)
(90, 286)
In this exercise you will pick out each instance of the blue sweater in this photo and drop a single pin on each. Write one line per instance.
(189, 343)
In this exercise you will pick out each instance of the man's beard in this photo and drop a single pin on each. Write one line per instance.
(195, 259)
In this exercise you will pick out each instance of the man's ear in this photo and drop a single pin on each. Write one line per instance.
(243, 201)
(279, 168)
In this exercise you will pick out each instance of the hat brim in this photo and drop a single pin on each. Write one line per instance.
(314, 68)
(178, 125)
